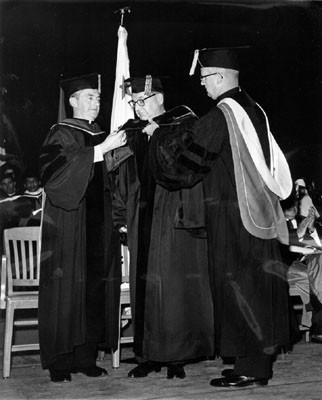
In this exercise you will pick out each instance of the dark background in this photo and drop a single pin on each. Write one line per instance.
(282, 69)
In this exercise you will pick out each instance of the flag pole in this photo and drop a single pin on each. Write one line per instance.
(121, 110)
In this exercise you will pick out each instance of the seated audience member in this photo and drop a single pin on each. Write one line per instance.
(33, 194)
(16, 208)
(304, 199)
(13, 207)
(8, 185)
(32, 183)
(15, 172)
(298, 212)
(305, 273)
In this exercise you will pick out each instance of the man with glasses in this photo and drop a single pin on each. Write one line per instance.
(244, 176)
(170, 293)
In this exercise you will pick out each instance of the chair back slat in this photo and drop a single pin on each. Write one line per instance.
(13, 257)
(23, 252)
(22, 248)
(32, 259)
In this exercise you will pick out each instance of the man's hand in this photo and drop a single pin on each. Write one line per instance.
(113, 141)
(123, 235)
(149, 129)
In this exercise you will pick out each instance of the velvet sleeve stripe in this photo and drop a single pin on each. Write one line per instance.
(192, 165)
(202, 152)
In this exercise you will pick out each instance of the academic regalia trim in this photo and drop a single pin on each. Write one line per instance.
(69, 123)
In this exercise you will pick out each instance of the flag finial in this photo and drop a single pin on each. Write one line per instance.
(122, 11)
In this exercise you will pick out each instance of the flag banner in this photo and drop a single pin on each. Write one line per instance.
(121, 110)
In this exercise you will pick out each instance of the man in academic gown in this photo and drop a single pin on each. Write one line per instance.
(170, 293)
(72, 279)
(244, 177)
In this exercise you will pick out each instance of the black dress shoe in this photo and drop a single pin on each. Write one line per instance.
(144, 369)
(316, 339)
(175, 371)
(93, 371)
(57, 375)
(238, 381)
(228, 372)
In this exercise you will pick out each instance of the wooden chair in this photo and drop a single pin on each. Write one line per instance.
(20, 269)
(124, 309)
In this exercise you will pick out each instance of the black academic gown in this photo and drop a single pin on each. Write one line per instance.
(169, 281)
(248, 279)
(178, 323)
(74, 250)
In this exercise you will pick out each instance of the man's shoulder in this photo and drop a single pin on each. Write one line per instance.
(214, 115)
(175, 115)
(71, 124)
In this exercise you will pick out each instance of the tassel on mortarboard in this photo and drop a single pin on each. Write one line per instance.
(225, 57)
(148, 85)
(194, 62)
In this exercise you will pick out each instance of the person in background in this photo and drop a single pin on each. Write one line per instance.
(8, 185)
(170, 293)
(16, 172)
(305, 207)
(14, 208)
(32, 183)
(73, 268)
(33, 194)
(231, 148)
(305, 271)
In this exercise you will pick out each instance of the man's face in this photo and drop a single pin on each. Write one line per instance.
(152, 105)
(32, 184)
(8, 186)
(211, 82)
(86, 104)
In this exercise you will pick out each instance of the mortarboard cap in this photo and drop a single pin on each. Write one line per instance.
(73, 85)
(147, 84)
(216, 57)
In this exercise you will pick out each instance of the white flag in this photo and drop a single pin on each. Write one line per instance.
(121, 110)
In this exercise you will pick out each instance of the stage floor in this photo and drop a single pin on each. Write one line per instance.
(297, 375)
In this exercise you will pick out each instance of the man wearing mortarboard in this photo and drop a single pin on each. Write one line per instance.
(244, 175)
(168, 265)
(71, 289)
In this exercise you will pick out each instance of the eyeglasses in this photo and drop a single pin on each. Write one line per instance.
(202, 77)
(140, 102)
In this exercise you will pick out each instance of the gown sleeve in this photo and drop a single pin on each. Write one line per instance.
(179, 155)
(66, 166)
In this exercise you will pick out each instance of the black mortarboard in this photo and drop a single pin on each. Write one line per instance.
(73, 85)
(218, 57)
(147, 84)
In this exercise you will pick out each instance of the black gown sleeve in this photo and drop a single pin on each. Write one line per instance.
(66, 166)
(178, 158)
